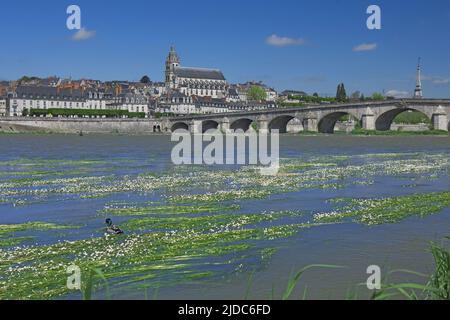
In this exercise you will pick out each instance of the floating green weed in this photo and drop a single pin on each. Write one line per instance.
(168, 210)
(15, 241)
(39, 271)
(389, 210)
(42, 226)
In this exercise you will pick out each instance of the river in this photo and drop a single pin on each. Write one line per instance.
(218, 233)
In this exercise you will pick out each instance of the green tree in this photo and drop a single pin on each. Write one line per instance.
(316, 95)
(256, 93)
(27, 79)
(377, 96)
(341, 94)
(145, 79)
(25, 112)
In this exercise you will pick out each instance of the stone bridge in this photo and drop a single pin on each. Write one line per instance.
(315, 118)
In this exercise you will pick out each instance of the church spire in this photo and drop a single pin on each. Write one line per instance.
(418, 92)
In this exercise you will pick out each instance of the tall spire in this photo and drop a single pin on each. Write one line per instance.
(418, 92)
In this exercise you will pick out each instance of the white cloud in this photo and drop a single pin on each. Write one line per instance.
(83, 34)
(436, 80)
(426, 77)
(441, 81)
(398, 94)
(278, 41)
(365, 47)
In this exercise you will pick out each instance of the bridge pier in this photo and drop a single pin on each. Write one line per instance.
(195, 127)
(310, 123)
(440, 119)
(225, 125)
(263, 124)
(368, 120)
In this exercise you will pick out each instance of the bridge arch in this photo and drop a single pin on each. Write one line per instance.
(327, 123)
(241, 124)
(179, 126)
(280, 123)
(209, 124)
(385, 120)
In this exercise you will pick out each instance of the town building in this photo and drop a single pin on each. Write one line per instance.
(26, 98)
(243, 88)
(293, 93)
(176, 103)
(3, 108)
(134, 103)
(4, 87)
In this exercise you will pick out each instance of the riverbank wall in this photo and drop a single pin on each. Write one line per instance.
(84, 125)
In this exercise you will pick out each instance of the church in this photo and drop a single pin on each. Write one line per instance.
(194, 81)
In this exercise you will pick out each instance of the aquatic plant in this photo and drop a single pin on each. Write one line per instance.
(186, 223)
(11, 228)
(166, 210)
(388, 210)
(39, 271)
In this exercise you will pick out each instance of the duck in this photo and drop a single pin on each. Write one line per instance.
(111, 228)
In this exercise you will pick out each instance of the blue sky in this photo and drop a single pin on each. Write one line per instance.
(316, 42)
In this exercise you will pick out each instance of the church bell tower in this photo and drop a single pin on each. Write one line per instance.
(172, 62)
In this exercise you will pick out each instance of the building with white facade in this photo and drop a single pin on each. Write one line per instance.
(3, 106)
(26, 98)
(177, 103)
(134, 103)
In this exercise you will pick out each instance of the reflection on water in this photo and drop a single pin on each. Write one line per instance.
(200, 232)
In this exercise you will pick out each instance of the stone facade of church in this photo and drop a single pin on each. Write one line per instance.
(199, 82)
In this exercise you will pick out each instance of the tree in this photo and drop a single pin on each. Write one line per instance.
(377, 96)
(27, 79)
(256, 93)
(341, 94)
(25, 112)
(145, 79)
(362, 98)
(356, 95)
(316, 95)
